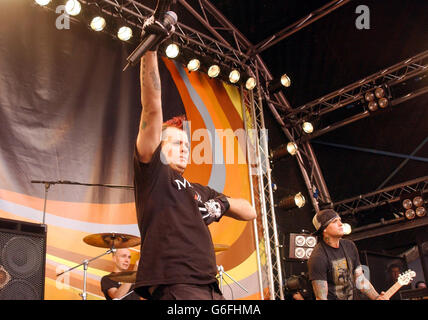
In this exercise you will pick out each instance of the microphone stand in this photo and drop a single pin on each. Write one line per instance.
(49, 183)
(85, 264)
(220, 273)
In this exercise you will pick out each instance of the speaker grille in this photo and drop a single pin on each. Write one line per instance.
(19, 290)
(22, 261)
(21, 257)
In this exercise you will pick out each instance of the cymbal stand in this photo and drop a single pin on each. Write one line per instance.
(85, 264)
(221, 272)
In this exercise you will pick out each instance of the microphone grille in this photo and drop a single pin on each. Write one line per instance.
(170, 17)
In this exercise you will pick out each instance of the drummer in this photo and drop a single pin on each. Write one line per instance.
(116, 290)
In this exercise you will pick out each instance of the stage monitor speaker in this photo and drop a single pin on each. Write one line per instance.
(22, 260)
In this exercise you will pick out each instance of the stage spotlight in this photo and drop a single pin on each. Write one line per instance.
(193, 65)
(73, 7)
(372, 106)
(383, 102)
(410, 214)
(285, 80)
(275, 85)
(421, 212)
(379, 92)
(98, 23)
(369, 96)
(347, 229)
(250, 84)
(292, 148)
(299, 200)
(407, 203)
(43, 2)
(124, 33)
(234, 76)
(307, 127)
(213, 71)
(172, 50)
(414, 205)
(293, 201)
(418, 201)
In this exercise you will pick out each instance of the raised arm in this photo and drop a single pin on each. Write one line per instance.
(150, 129)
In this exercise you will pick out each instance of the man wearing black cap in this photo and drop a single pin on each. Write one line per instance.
(334, 266)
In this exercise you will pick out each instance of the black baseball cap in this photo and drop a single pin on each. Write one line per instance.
(322, 219)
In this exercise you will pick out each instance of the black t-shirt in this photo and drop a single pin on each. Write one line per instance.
(335, 267)
(176, 244)
(107, 283)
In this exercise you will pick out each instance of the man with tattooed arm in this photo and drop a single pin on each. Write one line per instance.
(334, 266)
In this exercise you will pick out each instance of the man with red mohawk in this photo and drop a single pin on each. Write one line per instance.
(177, 258)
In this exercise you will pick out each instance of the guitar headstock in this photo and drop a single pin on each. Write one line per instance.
(406, 277)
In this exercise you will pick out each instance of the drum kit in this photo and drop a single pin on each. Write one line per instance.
(113, 241)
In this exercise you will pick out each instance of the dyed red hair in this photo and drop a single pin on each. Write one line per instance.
(176, 122)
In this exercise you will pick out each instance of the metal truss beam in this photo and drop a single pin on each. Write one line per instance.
(266, 227)
(353, 92)
(390, 77)
(381, 197)
(298, 25)
(135, 13)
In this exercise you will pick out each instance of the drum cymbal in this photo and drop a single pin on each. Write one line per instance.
(112, 240)
(220, 247)
(126, 276)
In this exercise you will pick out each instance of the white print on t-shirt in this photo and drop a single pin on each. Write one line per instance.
(185, 184)
(342, 279)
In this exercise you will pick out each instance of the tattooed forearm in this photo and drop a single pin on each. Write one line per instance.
(364, 285)
(320, 289)
(370, 292)
(143, 125)
(155, 80)
(149, 73)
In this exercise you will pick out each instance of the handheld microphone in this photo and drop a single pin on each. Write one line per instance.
(151, 40)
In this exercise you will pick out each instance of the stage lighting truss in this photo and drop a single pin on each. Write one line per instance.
(236, 63)
(406, 197)
(301, 245)
(369, 95)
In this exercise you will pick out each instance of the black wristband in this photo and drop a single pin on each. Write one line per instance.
(224, 203)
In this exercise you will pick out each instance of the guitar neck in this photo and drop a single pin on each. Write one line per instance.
(391, 291)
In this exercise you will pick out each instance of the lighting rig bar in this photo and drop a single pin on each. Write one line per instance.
(262, 185)
(381, 197)
(388, 77)
(136, 13)
(298, 25)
